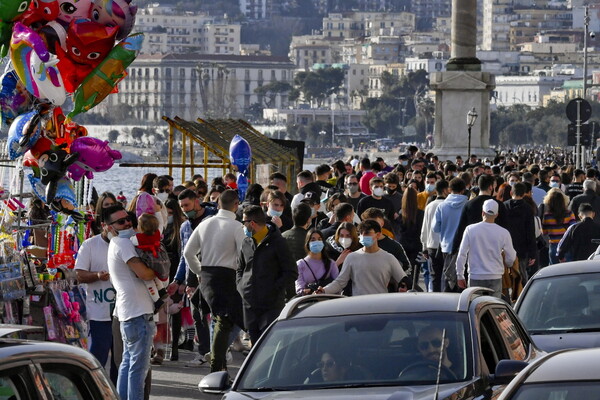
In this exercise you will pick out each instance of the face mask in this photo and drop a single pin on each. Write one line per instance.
(345, 242)
(404, 163)
(162, 196)
(273, 213)
(390, 191)
(554, 184)
(316, 247)
(353, 189)
(190, 214)
(366, 241)
(170, 219)
(512, 183)
(378, 191)
(247, 232)
(126, 233)
(429, 187)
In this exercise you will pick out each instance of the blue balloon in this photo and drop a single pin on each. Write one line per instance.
(240, 154)
(39, 189)
(25, 130)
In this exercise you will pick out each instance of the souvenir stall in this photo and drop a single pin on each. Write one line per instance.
(53, 58)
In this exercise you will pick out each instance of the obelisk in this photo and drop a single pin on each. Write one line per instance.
(461, 88)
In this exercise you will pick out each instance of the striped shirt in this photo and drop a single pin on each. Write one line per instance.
(555, 229)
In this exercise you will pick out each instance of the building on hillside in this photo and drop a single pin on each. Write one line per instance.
(436, 62)
(198, 85)
(532, 21)
(500, 62)
(375, 88)
(497, 17)
(169, 32)
(527, 90)
(426, 12)
(307, 50)
(257, 9)
(359, 24)
(346, 122)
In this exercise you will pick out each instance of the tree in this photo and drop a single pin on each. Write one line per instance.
(320, 84)
(113, 135)
(270, 91)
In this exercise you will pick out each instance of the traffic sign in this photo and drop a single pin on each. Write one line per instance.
(586, 136)
(585, 110)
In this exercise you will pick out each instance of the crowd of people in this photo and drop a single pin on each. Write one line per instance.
(355, 227)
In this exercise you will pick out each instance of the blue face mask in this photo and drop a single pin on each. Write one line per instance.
(126, 233)
(274, 213)
(366, 241)
(316, 246)
(554, 184)
(247, 232)
(429, 188)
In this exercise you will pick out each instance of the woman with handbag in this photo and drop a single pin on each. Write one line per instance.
(316, 269)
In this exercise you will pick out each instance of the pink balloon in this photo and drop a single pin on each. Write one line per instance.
(94, 156)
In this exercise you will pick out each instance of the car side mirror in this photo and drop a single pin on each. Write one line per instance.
(215, 383)
(506, 370)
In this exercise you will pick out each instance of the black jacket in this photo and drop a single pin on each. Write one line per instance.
(589, 196)
(264, 271)
(578, 239)
(519, 222)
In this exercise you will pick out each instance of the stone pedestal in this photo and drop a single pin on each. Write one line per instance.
(457, 92)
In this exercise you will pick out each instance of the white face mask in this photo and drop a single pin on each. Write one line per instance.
(378, 191)
(345, 242)
(163, 196)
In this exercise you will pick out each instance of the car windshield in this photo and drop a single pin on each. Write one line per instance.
(568, 303)
(361, 350)
(558, 391)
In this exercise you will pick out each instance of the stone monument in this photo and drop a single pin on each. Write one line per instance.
(461, 88)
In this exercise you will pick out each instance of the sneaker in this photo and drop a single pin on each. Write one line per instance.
(237, 345)
(207, 357)
(197, 362)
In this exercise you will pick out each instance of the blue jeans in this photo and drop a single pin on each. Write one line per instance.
(102, 340)
(138, 334)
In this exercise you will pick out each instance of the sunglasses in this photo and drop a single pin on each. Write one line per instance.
(121, 221)
(326, 364)
(436, 343)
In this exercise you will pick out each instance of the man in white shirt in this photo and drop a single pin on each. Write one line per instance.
(91, 268)
(370, 268)
(217, 241)
(134, 306)
(488, 247)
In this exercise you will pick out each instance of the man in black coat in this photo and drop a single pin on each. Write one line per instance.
(588, 196)
(265, 269)
(520, 223)
(578, 238)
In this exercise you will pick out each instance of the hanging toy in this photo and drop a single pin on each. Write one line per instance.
(94, 156)
(240, 154)
(10, 10)
(23, 134)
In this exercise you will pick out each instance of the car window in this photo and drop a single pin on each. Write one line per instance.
(562, 303)
(21, 383)
(493, 347)
(516, 346)
(557, 391)
(9, 389)
(307, 353)
(69, 382)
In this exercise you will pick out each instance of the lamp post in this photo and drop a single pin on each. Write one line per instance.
(586, 24)
(471, 118)
(322, 134)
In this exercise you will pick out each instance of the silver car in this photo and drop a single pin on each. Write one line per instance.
(560, 306)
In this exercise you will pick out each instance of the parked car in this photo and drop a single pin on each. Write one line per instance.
(373, 346)
(560, 306)
(564, 375)
(31, 370)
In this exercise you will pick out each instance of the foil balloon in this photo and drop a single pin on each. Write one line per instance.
(9, 11)
(35, 66)
(14, 100)
(87, 44)
(64, 132)
(70, 10)
(43, 145)
(94, 156)
(119, 13)
(23, 134)
(40, 12)
(53, 167)
(240, 154)
(105, 77)
(38, 188)
(65, 200)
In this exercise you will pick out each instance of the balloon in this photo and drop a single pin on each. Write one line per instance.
(240, 154)
(88, 43)
(64, 199)
(53, 167)
(23, 134)
(105, 77)
(94, 155)
(43, 145)
(39, 189)
(14, 100)
(120, 13)
(71, 10)
(40, 12)
(35, 66)
(65, 132)
(9, 11)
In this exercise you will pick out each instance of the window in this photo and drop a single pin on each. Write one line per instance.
(492, 345)
(514, 342)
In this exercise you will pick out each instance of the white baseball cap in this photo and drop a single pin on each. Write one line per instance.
(490, 207)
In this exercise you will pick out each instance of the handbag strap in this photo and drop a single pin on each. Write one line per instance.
(327, 268)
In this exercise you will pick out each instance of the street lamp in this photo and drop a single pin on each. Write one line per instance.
(471, 118)
(586, 25)
(322, 134)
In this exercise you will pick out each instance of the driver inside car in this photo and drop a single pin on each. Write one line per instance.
(432, 346)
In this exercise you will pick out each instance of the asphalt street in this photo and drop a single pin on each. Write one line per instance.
(173, 380)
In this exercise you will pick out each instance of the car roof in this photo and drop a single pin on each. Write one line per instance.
(314, 306)
(15, 349)
(567, 365)
(568, 268)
